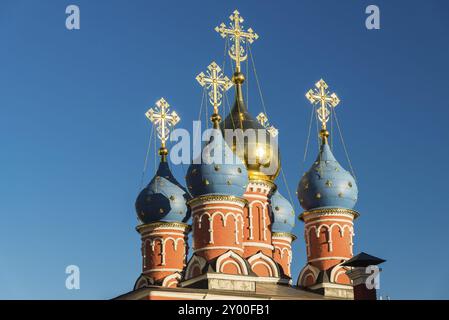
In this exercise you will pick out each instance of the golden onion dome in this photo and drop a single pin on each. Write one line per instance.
(258, 150)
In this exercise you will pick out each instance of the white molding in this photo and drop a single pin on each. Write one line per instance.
(168, 279)
(226, 276)
(282, 238)
(233, 257)
(328, 258)
(194, 261)
(239, 205)
(331, 285)
(269, 262)
(163, 270)
(314, 270)
(218, 248)
(255, 196)
(288, 245)
(323, 220)
(224, 218)
(315, 215)
(167, 233)
(258, 244)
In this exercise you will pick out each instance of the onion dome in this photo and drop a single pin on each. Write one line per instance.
(283, 214)
(327, 184)
(222, 174)
(164, 199)
(260, 157)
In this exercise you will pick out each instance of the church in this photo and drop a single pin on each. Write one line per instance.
(231, 212)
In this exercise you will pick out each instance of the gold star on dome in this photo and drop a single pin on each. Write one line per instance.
(320, 95)
(263, 120)
(237, 34)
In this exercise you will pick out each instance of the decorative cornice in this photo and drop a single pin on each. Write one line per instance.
(284, 234)
(216, 198)
(154, 225)
(266, 183)
(329, 211)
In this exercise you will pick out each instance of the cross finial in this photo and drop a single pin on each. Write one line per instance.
(320, 95)
(237, 34)
(263, 120)
(216, 83)
(163, 120)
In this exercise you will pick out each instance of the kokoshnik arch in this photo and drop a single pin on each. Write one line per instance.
(240, 224)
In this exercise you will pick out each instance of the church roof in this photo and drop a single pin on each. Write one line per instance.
(218, 172)
(363, 260)
(163, 199)
(283, 214)
(327, 184)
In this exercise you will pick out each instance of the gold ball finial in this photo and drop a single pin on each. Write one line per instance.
(324, 134)
(215, 118)
(238, 78)
(163, 152)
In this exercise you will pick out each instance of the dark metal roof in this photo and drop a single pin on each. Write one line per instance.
(363, 260)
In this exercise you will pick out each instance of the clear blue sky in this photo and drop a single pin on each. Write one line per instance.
(73, 134)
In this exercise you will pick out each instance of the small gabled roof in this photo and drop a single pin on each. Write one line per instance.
(363, 260)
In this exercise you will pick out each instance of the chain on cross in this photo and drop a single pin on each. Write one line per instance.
(263, 120)
(239, 36)
(162, 119)
(320, 95)
(216, 83)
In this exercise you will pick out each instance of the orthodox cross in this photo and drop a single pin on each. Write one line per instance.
(263, 120)
(216, 83)
(163, 120)
(320, 95)
(239, 36)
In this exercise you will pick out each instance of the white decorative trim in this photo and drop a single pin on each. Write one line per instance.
(314, 270)
(218, 248)
(331, 285)
(168, 279)
(160, 230)
(323, 220)
(163, 270)
(157, 233)
(250, 222)
(224, 218)
(267, 261)
(255, 196)
(143, 282)
(236, 258)
(281, 243)
(219, 207)
(251, 216)
(218, 203)
(282, 251)
(258, 244)
(328, 258)
(286, 239)
(195, 261)
(329, 232)
(163, 242)
(232, 277)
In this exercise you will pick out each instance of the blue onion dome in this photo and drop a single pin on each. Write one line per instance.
(283, 214)
(327, 184)
(220, 172)
(163, 199)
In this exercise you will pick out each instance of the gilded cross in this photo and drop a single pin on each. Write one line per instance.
(162, 119)
(216, 82)
(237, 34)
(263, 120)
(320, 95)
